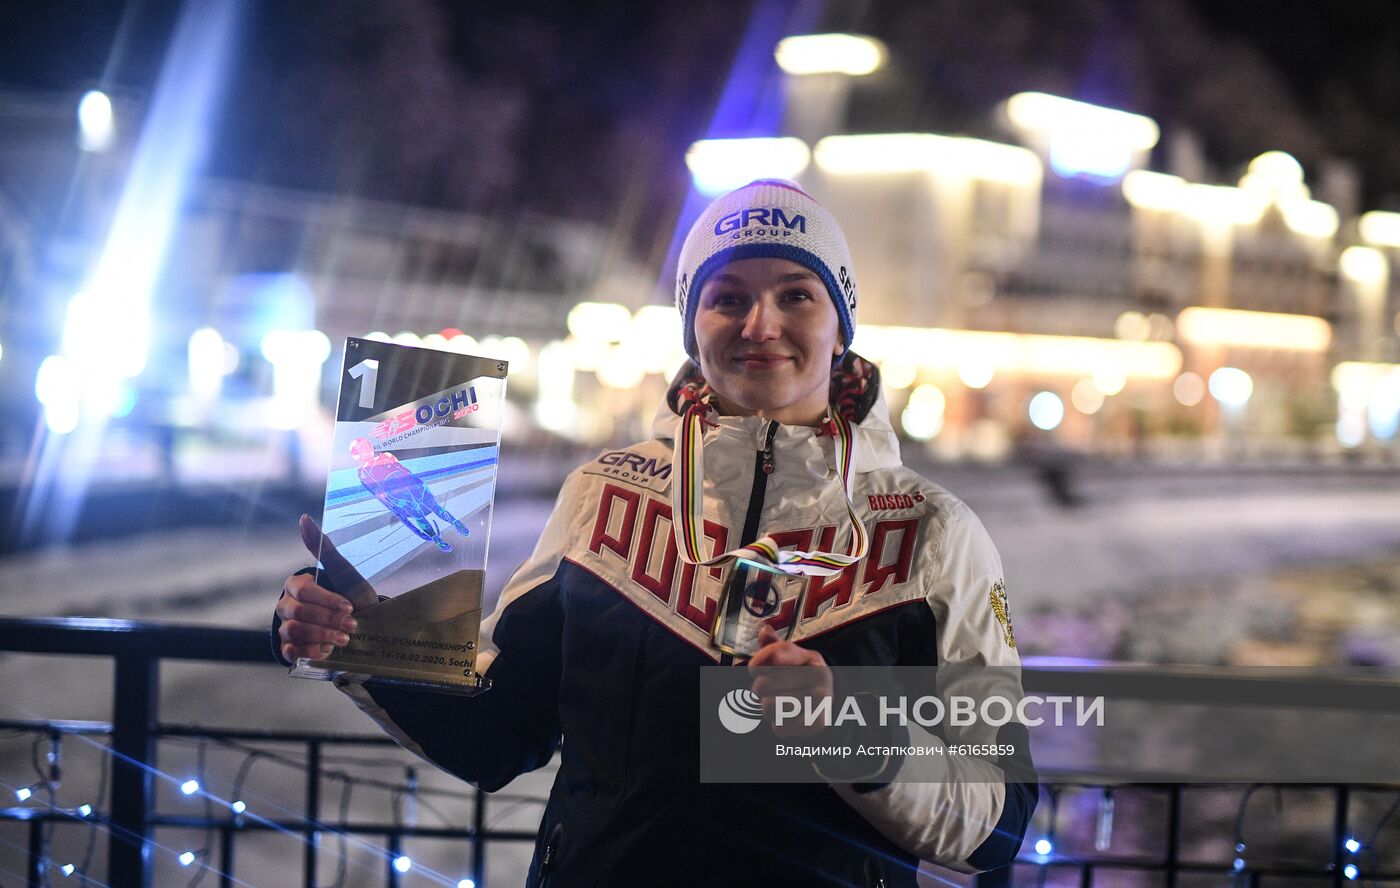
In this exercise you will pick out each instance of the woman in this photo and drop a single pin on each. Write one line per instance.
(772, 439)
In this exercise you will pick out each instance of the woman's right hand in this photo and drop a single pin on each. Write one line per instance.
(314, 620)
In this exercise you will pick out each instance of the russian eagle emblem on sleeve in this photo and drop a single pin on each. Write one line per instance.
(1002, 608)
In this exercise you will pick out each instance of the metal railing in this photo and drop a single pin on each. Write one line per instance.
(131, 817)
(137, 650)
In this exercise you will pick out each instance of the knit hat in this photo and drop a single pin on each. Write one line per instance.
(767, 218)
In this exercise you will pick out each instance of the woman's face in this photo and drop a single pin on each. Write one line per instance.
(766, 331)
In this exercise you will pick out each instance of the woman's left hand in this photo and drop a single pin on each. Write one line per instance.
(773, 675)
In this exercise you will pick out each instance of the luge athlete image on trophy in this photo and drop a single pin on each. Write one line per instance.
(408, 511)
(403, 493)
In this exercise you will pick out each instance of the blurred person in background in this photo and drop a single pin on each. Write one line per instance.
(774, 427)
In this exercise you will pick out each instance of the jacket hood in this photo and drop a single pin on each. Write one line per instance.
(855, 393)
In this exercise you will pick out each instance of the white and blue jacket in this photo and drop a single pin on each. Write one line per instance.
(598, 638)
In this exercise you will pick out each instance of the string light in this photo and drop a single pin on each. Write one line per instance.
(187, 858)
(402, 863)
(190, 787)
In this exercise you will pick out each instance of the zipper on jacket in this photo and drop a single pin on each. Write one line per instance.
(551, 848)
(762, 468)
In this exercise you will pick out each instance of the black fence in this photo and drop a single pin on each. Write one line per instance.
(130, 816)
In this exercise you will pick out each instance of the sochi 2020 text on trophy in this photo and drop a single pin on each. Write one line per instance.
(408, 512)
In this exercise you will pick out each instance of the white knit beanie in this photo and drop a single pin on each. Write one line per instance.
(767, 218)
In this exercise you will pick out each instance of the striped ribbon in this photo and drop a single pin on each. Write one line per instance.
(687, 500)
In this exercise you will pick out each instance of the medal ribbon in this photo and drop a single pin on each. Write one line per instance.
(687, 499)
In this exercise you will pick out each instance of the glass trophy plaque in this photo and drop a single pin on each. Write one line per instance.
(407, 513)
(755, 594)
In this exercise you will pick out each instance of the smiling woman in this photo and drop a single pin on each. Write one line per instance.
(772, 451)
(766, 331)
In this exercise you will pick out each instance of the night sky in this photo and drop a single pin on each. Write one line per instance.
(585, 109)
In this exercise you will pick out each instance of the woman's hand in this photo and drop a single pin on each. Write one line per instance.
(774, 675)
(314, 619)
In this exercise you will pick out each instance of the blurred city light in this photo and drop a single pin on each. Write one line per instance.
(1231, 386)
(1159, 192)
(1081, 154)
(896, 374)
(1083, 139)
(720, 165)
(1223, 204)
(1383, 407)
(976, 374)
(1086, 397)
(463, 344)
(1254, 329)
(977, 355)
(598, 321)
(96, 122)
(923, 415)
(1046, 411)
(296, 357)
(892, 153)
(1277, 176)
(1351, 429)
(1364, 265)
(58, 387)
(1132, 325)
(654, 339)
(207, 362)
(1380, 228)
(1110, 379)
(1310, 218)
(1047, 113)
(511, 349)
(830, 54)
(619, 371)
(1189, 389)
(555, 409)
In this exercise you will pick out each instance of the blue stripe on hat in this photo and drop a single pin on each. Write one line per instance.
(805, 258)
